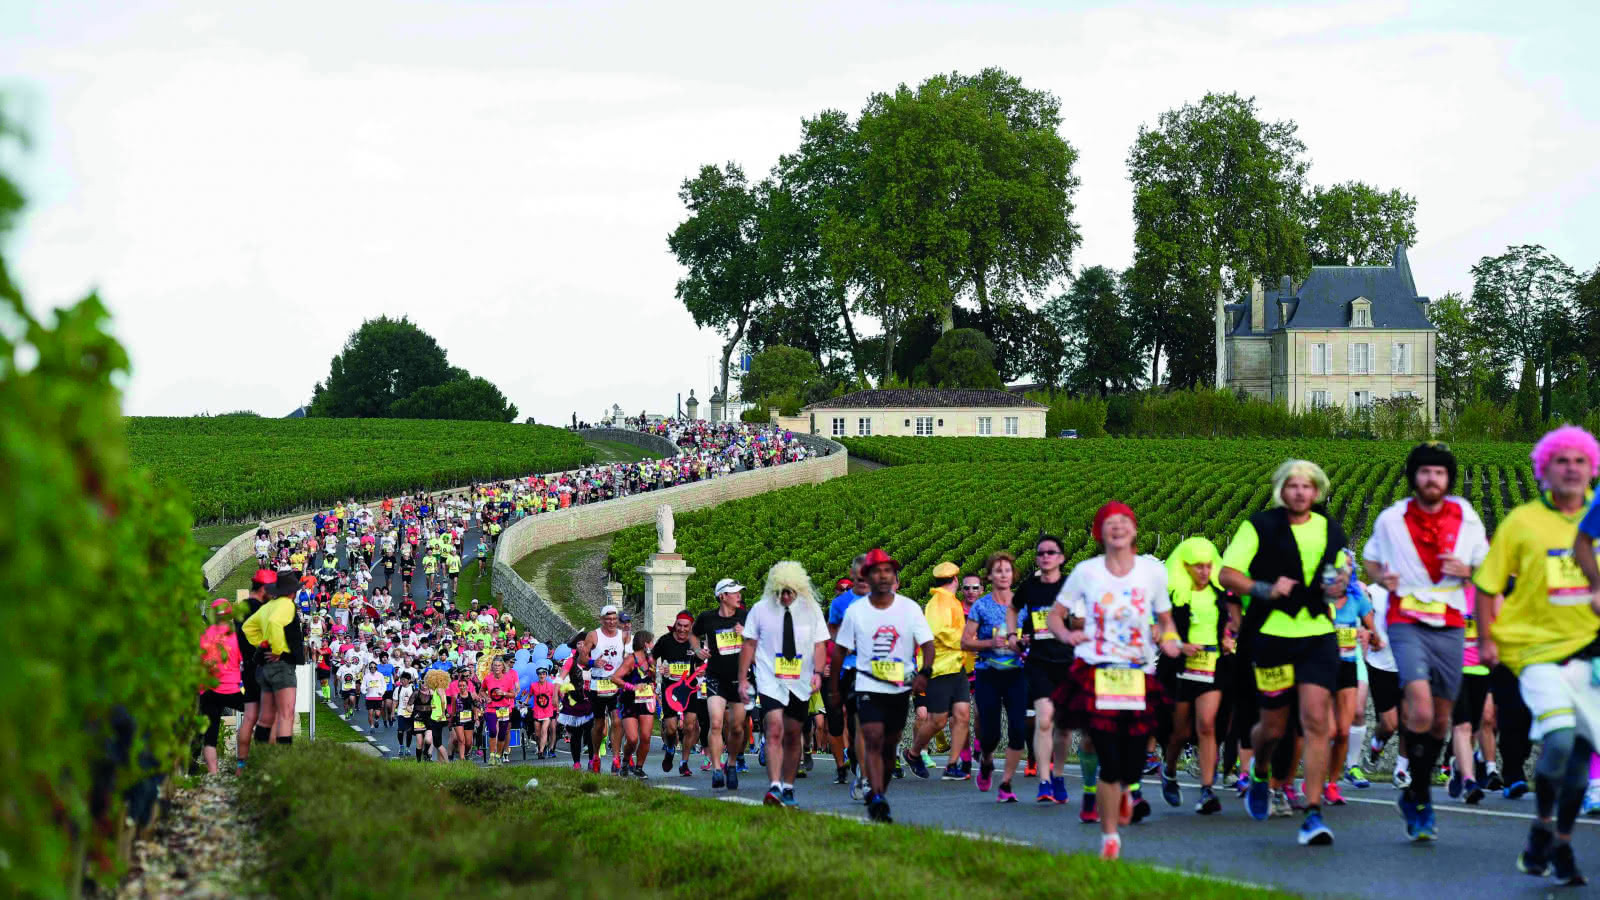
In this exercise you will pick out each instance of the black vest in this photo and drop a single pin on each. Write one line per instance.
(1278, 556)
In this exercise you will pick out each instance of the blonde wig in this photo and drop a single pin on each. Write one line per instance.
(1302, 468)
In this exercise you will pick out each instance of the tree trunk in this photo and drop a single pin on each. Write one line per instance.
(1155, 362)
(727, 352)
(1544, 391)
(849, 330)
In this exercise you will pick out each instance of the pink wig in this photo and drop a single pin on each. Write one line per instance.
(1567, 437)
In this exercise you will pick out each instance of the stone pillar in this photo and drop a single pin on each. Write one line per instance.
(666, 581)
(614, 594)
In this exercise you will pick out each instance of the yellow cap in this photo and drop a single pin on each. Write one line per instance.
(946, 570)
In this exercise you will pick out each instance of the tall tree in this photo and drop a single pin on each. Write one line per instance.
(1355, 224)
(469, 398)
(1465, 364)
(963, 358)
(1026, 343)
(719, 245)
(779, 371)
(1217, 194)
(1523, 301)
(383, 361)
(1097, 325)
(1586, 313)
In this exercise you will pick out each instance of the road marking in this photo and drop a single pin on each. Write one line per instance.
(744, 800)
(1207, 876)
(979, 836)
(385, 748)
(1437, 807)
(672, 787)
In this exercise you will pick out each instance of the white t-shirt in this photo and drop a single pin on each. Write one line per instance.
(764, 625)
(1380, 659)
(1117, 612)
(887, 637)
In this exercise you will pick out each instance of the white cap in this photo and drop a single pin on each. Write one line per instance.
(727, 585)
(610, 609)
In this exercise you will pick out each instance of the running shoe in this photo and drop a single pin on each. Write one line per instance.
(966, 767)
(1427, 824)
(1374, 753)
(788, 798)
(985, 777)
(1441, 776)
(1356, 778)
(773, 797)
(1408, 811)
(858, 788)
(927, 759)
(1030, 770)
(1564, 868)
(1125, 809)
(666, 761)
(684, 771)
(1514, 790)
(1058, 790)
(731, 774)
(594, 764)
(1088, 815)
(717, 781)
(1281, 808)
(761, 754)
(1294, 793)
(878, 809)
(1045, 794)
(1170, 791)
(577, 767)
(1313, 833)
(706, 766)
(1004, 794)
(1591, 799)
(918, 767)
(1141, 807)
(505, 757)
(1258, 799)
(1494, 782)
(941, 742)
(1209, 803)
(1242, 785)
(741, 763)
(616, 765)
(1456, 784)
(841, 775)
(1402, 779)
(899, 770)
(1110, 846)
(953, 772)
(1473, 795)
(1331, 795)
(806, 763)
(1535, 857)
(1152, 763)
(800, 772)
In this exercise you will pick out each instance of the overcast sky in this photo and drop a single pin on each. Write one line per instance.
(245, 183)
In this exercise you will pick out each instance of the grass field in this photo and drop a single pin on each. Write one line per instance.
(338, 824)
(617, 451)
(554, 572)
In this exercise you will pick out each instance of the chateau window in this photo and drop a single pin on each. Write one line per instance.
(1361, 359)
(1400, 359)
(1317, 399)
(986, 425)
(1360, 399)
(1361, 313)
(924, 426)
(864, 427)
(838, 426)
(1011, 424)
(1319, 359)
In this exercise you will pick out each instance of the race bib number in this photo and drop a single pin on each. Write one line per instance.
(1425, 609)
(644, 692)
(420, 725)
(890, 670)
(604, 687)
(786, 667)
(465, 716)
(1275, 680)
(728, 642)
(1041, 625)
(1347, 639)
(1202, 666)
(1563, 580)
(1472, 629)
(1118, 687)
(677, 669)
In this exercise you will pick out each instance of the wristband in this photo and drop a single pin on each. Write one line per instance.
(1170, 636)
(925, 673)
(1260, 590)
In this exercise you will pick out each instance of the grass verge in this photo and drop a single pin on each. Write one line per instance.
(338, 824)
(332, 727)
(212, 537)
(554, 573)
(617, 451)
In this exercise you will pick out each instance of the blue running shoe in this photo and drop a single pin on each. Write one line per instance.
(731, 774)
(1356, 777)
(1170, 791)
(1313, 833)
(741, 763)
(1258, 800)
(1242, 785)
(1409, 812)
(1427, 826)
(788, 798)
(915, 762)
(1455, 786)
(1045, 794)
(1058, 789)
(1515, 789)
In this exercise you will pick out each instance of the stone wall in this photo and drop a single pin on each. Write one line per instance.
(526, 606)
(650, 442)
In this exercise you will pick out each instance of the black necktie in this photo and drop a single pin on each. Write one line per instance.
(788, 633)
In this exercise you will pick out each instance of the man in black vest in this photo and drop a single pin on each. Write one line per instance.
(1288, 561)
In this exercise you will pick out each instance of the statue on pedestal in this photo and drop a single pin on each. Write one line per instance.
(665, 542)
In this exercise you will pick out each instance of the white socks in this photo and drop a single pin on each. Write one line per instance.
(1358, 738)
(1402, 764)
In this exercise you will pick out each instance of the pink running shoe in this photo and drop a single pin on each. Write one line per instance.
(1331, 795)
(1297, 799)
(1004, 795)
(985, 777)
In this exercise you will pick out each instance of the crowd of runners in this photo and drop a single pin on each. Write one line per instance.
(1252, 665)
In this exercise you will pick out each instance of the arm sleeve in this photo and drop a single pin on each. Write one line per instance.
(1377, 547)
(1158, 577)
(920, 632)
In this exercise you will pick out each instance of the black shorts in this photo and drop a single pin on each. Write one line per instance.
(633, 709)
(603, 707)
(1469, 703)
(726, 688)
(349, 695)
(697, 708)
(1044, 677)
(886, 709)
(1188, 690)
(944, 692)
(1312, 660)
(215, 704)
(1349, 676)
(389, 694)
(1384, 687)
(792, 707)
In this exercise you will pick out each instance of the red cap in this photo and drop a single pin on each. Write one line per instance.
(877, 558)
(843, 584)
(683, 616)
(1113, 508)
(265, 576)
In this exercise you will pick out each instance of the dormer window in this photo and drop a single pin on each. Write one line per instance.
(1361, 313)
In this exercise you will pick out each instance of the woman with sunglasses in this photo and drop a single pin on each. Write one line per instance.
(1046, 664)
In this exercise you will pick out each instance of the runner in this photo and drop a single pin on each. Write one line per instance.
(274, 632)
(1046, 665)
(1383, 683)
(1353, 626)
(250, 729)
(785, 636)
(991, 630)
(1104, 612)
(886, 631)
(1287, 560)
(1194, 680)
(842, 722)
(949, 694)
(1545, 633)
(637, 677)
(676, 654)
(543, 699)
(720, 632)
(1422, 550)
(372, 686)
(501, 687)
(220, 690)
(600, 653)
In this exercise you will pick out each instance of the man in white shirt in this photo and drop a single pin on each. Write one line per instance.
(786, 636)
(885, 632)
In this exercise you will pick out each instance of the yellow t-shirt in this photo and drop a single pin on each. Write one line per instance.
(1546, 617)
(946, 621)
(1311, 537)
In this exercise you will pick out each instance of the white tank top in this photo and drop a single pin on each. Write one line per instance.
(608, 651)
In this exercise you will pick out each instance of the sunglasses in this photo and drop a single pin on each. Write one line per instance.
(1047, 553)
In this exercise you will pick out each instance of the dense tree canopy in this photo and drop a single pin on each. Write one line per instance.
(1355, 224)
(390, 368)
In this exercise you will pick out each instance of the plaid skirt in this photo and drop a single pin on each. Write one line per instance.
(1075, 707)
